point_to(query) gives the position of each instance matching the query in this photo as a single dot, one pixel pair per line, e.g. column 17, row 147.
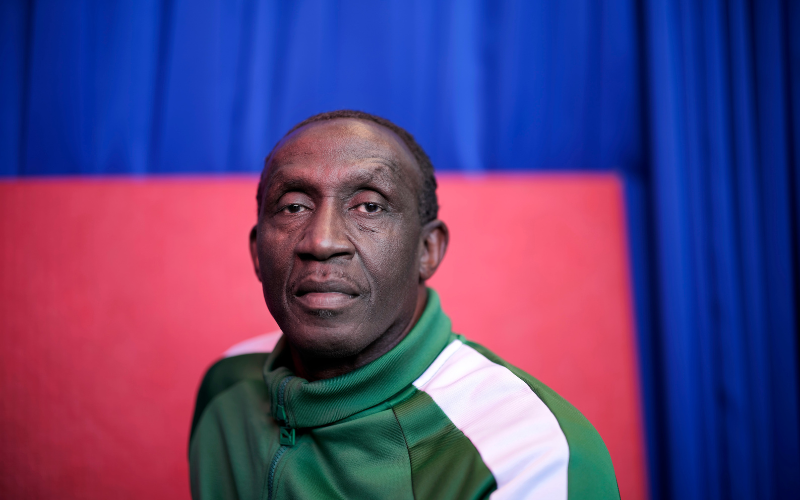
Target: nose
column 325, row 235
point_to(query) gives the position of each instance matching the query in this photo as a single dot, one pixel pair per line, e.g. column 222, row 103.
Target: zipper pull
column 287, row 435
column 282, row 414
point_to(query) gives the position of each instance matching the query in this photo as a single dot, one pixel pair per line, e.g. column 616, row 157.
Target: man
column 369, row 393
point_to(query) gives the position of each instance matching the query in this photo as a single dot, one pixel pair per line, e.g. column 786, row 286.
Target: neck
column 314, row 368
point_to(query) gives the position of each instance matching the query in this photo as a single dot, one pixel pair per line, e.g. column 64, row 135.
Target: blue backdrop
column 696, row 104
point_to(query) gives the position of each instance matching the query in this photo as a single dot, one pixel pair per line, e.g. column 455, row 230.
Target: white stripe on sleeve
column 516, row 434
column 261, row 343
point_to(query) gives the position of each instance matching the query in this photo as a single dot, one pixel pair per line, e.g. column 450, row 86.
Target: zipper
column 287, row 436
column 272, row 467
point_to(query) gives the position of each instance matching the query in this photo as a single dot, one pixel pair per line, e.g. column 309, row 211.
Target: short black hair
column 428, row 202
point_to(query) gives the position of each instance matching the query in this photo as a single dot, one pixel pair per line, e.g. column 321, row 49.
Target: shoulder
column 532, row 440
column 243, row 361
column 223, row 375
column 260, row 344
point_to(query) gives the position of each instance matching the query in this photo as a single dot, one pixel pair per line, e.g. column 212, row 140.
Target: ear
column 254, row 252
column 433, row 242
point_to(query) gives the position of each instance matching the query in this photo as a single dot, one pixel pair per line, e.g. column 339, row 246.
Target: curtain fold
column 725, row 195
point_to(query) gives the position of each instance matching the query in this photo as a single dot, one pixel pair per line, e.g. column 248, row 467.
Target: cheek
column 392, row 261
column 274, row 255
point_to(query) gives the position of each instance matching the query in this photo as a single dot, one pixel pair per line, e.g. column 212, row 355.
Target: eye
column 294, row 208
column 370, row 208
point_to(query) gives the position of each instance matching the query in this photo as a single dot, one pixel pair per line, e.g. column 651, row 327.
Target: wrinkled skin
column 340, row 249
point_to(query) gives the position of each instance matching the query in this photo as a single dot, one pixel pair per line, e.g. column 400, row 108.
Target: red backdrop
column 116, row 295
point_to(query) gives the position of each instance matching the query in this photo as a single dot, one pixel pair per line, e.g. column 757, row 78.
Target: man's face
column 338, row 242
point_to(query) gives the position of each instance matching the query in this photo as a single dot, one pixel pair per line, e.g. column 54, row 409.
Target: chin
column 328, row 341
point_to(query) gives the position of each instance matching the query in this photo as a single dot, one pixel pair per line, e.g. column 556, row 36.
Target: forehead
column 343, row 141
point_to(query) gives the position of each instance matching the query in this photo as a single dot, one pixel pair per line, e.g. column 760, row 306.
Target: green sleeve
column 224, row 374
column 590, row 473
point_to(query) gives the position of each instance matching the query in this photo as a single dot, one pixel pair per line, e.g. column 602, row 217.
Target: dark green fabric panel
column 590, row 474
column 224, row 374
column 444, row 462
column 360, row 458
column 386, row 405
column 234, row 440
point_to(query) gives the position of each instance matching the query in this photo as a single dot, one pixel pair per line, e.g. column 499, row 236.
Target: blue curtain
column 151, row 86
column 723, row 93
column 695, row 104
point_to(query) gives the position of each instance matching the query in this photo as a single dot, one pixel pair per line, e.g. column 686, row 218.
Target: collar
column 322, row 402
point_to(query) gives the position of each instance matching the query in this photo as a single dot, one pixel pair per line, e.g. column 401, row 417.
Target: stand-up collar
column 312, row 404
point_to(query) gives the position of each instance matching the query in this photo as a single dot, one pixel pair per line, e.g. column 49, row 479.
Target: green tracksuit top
column 437, row 417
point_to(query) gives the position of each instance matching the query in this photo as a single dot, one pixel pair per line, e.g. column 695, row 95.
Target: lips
column 328, row 295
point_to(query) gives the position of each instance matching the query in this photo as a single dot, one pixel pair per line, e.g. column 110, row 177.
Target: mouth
column 326, row 295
